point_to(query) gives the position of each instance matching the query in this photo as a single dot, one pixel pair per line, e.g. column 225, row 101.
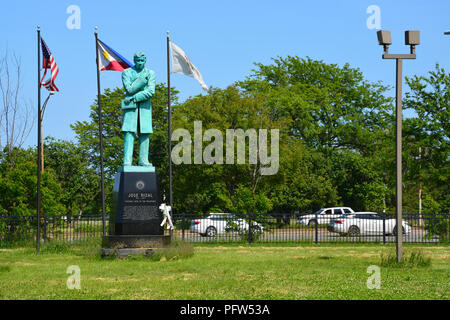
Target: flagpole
column 39, row 160
column 100, row 133
column 170, row 123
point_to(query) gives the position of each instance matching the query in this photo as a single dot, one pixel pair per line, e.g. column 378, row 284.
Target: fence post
column 384, row 228
column 45, row 227
column 448, row 226
column 316, row 230
column 250, row 238
column 182, row 228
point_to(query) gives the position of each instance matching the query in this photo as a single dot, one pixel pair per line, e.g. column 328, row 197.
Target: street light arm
column 45, row 104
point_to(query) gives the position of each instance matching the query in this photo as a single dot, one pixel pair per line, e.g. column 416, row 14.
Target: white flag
column 182, row 64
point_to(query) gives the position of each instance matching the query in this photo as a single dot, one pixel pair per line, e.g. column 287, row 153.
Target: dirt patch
column 360, row 255
column 440, row 256
column 27, row 264
column 102, row 279
column 188, row 276
column 214, row 248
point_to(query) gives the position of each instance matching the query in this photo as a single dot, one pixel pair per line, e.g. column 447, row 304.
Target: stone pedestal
column 135, row 218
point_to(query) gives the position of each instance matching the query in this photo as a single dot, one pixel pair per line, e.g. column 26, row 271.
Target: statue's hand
column 128, row 100
column 142, row 83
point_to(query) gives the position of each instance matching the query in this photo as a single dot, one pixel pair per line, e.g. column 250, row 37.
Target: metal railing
column 267, row 228
column 273, row 228
column 60, row 228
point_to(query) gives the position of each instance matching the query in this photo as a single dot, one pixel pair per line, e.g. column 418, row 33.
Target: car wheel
column 353, row 231
column 394, row 232
column 211, row 231
column 312, row 222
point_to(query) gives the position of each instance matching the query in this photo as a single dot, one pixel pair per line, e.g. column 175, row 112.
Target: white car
column 219, row 223
column 324, row 216
column 366, row 223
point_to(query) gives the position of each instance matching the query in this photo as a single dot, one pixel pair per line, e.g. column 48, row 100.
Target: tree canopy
column 336, row 146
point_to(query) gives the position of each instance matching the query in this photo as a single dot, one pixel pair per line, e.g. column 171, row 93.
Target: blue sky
column 223, row 39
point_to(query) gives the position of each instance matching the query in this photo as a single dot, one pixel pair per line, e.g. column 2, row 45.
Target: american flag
column 49, row 63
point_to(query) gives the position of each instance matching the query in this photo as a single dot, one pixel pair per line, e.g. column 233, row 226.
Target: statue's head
column 139, row 60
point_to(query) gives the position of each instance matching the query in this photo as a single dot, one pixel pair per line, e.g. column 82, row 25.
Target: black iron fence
column 311, row 228
column 62, row 228
column 268, row 228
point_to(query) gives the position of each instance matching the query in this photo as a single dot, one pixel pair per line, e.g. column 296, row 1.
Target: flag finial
column 96, row 29
column 167, row 33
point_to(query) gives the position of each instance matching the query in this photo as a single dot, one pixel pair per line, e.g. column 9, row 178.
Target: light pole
column 412, row 38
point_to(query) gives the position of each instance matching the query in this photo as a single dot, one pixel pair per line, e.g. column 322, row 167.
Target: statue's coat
column 143, row 104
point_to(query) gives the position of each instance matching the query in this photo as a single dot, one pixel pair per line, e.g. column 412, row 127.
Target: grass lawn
column 325, row 271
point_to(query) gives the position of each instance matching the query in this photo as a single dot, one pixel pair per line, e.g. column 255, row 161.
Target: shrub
column 415, row 258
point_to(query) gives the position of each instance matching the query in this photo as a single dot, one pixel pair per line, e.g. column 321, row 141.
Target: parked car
column 219, row 223
column 366, row 223
column 324, row 215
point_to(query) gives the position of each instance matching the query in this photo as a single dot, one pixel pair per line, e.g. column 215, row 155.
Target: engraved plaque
column 140, row 213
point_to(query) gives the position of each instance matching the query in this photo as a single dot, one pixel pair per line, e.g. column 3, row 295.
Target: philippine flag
column 110, row 59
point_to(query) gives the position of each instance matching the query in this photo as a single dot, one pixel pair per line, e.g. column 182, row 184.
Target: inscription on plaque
column 140, row 213
column 140, row 198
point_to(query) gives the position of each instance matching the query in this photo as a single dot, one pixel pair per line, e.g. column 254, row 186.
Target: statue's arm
column 147, row 93
column 152, row 83
column 128, row 84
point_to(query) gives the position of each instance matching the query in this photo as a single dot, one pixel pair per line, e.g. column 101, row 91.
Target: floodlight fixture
column 384, row 39
column 412, row 38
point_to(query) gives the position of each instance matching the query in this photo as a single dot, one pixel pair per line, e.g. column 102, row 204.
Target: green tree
column 427, row 144
column 330, row 107
column 18, row 187
column 79, row 181
column 303, row 182
column 359, row 181
column 202, row 188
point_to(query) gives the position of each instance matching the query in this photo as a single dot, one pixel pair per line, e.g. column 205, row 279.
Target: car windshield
column 319, row 212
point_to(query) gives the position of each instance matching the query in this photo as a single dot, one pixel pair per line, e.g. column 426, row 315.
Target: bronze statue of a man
column 139, row 83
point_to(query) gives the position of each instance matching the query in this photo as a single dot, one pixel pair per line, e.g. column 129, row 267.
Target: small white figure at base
column 166, row 213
